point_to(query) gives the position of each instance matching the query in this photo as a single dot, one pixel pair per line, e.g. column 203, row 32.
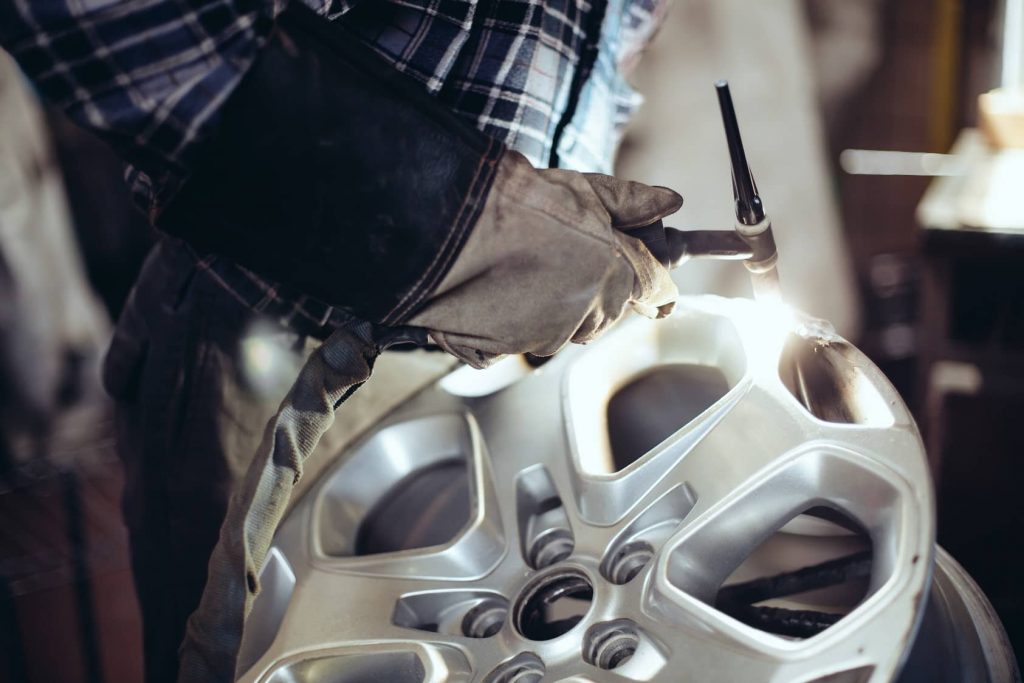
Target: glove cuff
column 334, row 173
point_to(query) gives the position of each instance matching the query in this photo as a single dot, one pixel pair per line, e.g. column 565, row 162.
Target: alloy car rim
column 564, row 567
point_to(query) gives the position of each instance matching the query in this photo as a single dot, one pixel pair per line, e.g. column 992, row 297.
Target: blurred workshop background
column 896, row 200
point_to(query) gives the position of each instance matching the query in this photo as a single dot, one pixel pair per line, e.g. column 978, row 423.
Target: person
column 425, row 163
column 52, row 326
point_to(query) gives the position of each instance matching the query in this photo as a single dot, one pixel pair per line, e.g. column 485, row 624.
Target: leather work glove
column 550, row 261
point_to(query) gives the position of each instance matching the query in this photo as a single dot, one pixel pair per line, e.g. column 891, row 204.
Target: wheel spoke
column 395, row 661
column 471, row 554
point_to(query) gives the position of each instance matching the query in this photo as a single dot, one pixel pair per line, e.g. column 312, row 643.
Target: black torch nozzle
column 749, row 210
column 751, row 222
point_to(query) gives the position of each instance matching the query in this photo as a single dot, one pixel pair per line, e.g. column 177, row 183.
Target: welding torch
column 750, row 241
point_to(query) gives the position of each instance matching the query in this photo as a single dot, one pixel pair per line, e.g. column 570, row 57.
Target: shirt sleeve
column 146, row 75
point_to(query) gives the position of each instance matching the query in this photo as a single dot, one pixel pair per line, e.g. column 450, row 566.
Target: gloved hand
column 549, row 261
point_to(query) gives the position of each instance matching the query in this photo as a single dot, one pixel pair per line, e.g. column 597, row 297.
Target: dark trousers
column 187, row 426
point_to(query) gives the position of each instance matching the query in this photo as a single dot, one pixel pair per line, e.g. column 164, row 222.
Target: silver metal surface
column 637, row 555
column 960, row 638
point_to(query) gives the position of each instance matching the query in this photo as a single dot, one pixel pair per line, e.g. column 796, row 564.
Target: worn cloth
column 329, row 376
column 545, row 77
column 151, row 75
column 549, row 262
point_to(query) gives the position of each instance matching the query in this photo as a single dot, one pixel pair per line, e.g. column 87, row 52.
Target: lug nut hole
column 628, row 561
column 485, row 619
column 611, row 644
column 550, row 547
column 524, row 668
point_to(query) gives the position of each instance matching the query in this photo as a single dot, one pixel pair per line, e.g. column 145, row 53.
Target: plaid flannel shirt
column 545, row 77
